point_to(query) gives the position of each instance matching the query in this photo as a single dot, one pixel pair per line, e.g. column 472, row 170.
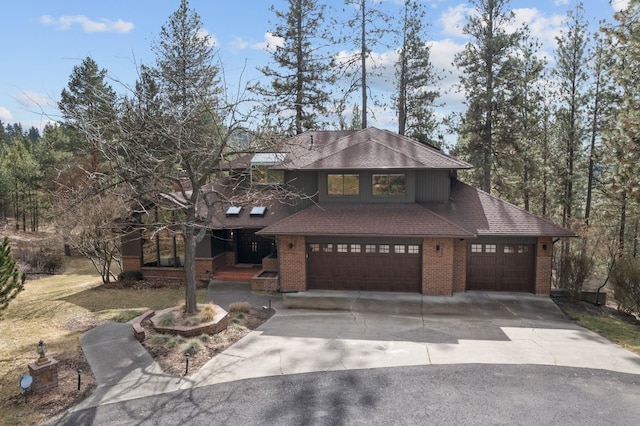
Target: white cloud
column 561, row 2
column 270, row 43
column 33, row 99
column 543, row 28
column 88, row 25
column 5, row 115
column 619, row 5
column 204, row 34
column 239, row 43
column 453, row 20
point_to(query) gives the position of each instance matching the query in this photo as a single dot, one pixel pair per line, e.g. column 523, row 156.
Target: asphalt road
column 477, row 394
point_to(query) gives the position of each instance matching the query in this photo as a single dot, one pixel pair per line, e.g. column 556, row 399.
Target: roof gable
column 370, row 148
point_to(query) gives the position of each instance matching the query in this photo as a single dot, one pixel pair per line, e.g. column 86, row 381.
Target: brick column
column 544, row 249
column 437, row 266
column 459, row 265
column 131, row 263
column 292, row 259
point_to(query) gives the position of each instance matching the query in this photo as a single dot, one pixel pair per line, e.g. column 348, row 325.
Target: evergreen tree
column 302, row 72
column 369, row 26
column 11, row 280
column 571, row 74
column 416, row 79
column 620, row 142
column 487, row 65
column 88, row 98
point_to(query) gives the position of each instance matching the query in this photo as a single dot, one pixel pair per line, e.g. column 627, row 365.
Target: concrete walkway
column 359, row 331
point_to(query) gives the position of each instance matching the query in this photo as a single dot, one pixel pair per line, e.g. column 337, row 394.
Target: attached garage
column 501, row 265
column 364, row 265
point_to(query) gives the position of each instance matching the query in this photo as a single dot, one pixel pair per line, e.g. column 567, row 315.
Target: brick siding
column 437, row 266
column 292, row 260
column 459, row 265
column 544, row 250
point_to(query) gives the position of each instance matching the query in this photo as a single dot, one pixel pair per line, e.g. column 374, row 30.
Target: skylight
column 258, row 211
column 233, row 211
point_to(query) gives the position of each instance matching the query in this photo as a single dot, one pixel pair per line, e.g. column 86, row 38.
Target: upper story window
column 262, row 172
column 343, row 184
column 388, row 184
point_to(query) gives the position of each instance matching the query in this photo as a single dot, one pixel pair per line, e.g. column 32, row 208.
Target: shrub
column 161, row 339
column 167, row 319
column 132, row 275
column 45, row 260
column 191, row 347
column 574, row 269
column 240, row 307
column 625, row 280
column 204, row 338
column 192, row 320
column 208, row 313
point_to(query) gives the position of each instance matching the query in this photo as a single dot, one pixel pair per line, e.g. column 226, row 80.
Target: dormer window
column 262, row 168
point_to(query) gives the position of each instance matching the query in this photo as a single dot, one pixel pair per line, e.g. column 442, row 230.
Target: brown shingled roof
column 483, row 214
column 366, row 219
column 369, row 148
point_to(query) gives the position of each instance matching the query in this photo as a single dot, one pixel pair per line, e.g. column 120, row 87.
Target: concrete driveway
column 372, row 330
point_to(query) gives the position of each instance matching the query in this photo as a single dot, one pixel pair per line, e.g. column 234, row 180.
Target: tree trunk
column 190, row 268
column 364, row 67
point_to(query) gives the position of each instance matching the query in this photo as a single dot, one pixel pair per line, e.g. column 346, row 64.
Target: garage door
column 372, row 267
column 500, row 267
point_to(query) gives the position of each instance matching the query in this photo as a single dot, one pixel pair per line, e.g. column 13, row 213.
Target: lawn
column 607, row 322
column 57, row 309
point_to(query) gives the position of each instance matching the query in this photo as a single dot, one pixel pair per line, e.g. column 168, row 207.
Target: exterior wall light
column 544, row 247
column 437, row 247
column 290, row 245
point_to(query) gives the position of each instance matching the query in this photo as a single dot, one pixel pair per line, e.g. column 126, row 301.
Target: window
column 265, row 175
column 490, row 248
column 314, row 247
column 233, row 211
column 327, row 248
column 383, row 248
column 388, row 184
column 509, row 249
column 355, row 248
column 370, row 248
column 523, row 249
column 342, row 248
column 399, row 249
column 343, row 184
column 476, row 248
column 161, row 247
column 413, row 249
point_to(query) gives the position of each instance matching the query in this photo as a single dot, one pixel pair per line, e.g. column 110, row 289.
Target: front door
column 253, row 248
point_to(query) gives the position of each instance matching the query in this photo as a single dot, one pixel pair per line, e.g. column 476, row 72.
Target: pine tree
column 416, row 79
column 369, row 26
column 620, row 142
column 487, row 76
column 11, row 280
column 571, row 75
column 302, row 72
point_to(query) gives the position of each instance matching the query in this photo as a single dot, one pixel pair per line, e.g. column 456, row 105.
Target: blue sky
column 44, row 40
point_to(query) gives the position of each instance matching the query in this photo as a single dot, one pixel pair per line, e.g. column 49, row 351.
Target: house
column 379, row 212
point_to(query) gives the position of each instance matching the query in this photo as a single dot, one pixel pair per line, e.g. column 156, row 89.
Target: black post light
column 186, row 370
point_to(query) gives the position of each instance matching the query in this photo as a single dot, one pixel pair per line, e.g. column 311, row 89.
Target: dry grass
column 40, row 312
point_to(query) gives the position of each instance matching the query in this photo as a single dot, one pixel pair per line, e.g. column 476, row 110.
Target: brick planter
column 218, row 324
column 265, row 281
